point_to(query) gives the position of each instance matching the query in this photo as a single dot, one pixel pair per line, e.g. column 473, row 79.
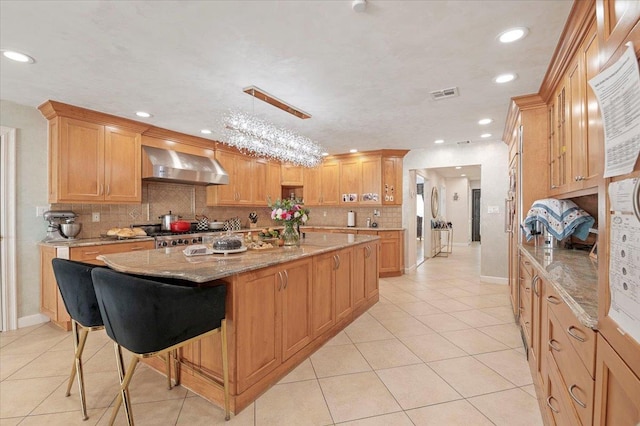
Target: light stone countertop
column 173, row 263
column 355, row 228
column 574, row 275
column 93, row 242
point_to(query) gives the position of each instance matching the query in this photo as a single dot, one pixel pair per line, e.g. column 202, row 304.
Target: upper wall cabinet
column 321, row 184
column 94, row 159
column 291, row 175
column 617, row 23
column 247, row 181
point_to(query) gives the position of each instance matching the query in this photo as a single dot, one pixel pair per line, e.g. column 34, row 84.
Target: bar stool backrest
column 76, row 287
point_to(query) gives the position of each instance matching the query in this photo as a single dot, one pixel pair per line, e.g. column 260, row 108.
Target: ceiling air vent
column 444, row 93
column 463, row 142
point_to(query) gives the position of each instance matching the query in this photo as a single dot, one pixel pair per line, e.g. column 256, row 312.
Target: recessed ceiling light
column 17, row 56
column 439, row 141
column 505, row 78
column 513, row 34
column 458, row 167
column 485, row 135
column 205, row 131
column 143, row 114
column 463, row 174
column 353, row 150
column 325, row 154
column 485, row 121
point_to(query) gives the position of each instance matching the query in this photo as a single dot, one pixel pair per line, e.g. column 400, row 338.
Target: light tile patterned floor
column 440, row 348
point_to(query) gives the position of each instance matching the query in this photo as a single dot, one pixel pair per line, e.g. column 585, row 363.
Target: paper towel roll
column 351, row 219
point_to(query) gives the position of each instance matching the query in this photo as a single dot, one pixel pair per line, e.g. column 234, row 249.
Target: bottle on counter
column 368, row 222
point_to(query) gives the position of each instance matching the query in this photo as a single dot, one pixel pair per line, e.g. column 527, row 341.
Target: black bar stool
column 76, row 288
column 148, row 317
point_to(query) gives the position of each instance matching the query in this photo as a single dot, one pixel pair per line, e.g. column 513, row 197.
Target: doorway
column 475, row 215
column 8, row 290
column 420, row 220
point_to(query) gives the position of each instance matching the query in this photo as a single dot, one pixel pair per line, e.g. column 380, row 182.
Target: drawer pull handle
column 91, row 252
column 528, row 289
column 553, row 300
column 554, row 347
column 575, row 398
column 137, row 248
column 526, row 262
column 575, row 336
column 549, row 398
column 534, row 284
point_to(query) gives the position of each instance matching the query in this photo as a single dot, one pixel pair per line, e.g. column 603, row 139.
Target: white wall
column 492, row 157
column 31, row 191
column 458, row 210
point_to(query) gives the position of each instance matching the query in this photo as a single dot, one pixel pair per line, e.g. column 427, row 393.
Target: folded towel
column 561, row 218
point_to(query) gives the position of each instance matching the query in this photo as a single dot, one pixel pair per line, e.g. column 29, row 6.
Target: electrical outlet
column 95, row 217
column 40, row 210
column 376, row 212
column 324, row 214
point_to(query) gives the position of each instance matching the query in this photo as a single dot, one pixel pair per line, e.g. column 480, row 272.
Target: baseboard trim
column 30, row 320
column 494, row 280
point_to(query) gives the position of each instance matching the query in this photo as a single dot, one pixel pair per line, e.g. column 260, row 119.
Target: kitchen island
column 282, row 305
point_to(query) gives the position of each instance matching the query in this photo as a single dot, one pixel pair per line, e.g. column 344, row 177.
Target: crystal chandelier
column 256, row 137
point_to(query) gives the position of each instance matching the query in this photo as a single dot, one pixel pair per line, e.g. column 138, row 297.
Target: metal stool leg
column 125, row 379
column 79, row 341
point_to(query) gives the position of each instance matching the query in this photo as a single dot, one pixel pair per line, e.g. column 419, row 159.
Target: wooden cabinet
column 371, row 180
column 332, row 289
column 90, row 162
column 365, row 278
column 51, row 303
column 617, row 393
column 321, row 184
column 272, row 190
column 276, row 317
column 350, row 180
column 291, row 175
column 617, row 22
column 247, row 181
column 391, row 253
column 392, row 180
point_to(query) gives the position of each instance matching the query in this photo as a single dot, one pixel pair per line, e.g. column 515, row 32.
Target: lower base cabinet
column 617, row 393
column 51, row 303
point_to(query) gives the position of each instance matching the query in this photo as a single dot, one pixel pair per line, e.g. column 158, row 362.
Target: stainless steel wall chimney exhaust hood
column 173, row 166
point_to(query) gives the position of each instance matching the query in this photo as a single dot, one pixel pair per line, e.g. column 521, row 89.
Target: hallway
column 440, row 348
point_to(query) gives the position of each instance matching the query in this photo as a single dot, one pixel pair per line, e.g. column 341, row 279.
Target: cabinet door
column 224, row 194
column 343, row 283
column 80, row 161
column 350, row 175
column 617, row 396
column 330, row 178
column 371, row 270
column 560, row 149
column 392, row 181
column 390, row 252
column 273, row 190
column 371, row 179
column 245, row 180
column 258, row 187
column 291, row 175
column 313, row 186
column 575, row 101
column 594, row 155
column 259, row 348
column 296, row 307
column 322, row 296
column 359, row 273
column 617, row 21
column 122, row 164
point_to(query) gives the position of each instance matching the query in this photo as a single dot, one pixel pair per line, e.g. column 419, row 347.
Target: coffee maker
column 61, row 226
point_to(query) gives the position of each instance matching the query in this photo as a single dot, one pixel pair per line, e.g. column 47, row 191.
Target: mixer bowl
column 70, row 230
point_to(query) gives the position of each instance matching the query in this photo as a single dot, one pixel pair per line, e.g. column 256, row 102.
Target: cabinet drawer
column 387, row 235
column 89, row 253
column 583, row 339
column 576, row 379
column 525, row 314
column 526, row 268
column 557, row 402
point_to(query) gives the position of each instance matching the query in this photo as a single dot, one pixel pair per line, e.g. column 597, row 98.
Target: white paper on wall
column 624, row 260
column 618, row 91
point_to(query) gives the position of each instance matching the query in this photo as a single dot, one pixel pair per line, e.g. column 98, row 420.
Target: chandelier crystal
column 256, row 137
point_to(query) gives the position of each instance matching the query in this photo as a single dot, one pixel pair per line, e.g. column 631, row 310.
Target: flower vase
column 290, row 235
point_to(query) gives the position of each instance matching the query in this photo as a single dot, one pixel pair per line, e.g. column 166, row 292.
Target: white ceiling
column 471, row 172
column 364, row 77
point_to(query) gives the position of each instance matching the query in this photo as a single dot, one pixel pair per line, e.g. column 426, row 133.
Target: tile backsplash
column 190, row 200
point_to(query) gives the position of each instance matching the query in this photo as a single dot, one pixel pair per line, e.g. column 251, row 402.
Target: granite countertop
column 93, row 242
column 355, row 228
column 574, row 275
column 172, row 262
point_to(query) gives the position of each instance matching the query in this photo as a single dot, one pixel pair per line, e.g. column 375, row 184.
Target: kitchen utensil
column 167, row 219
column 180, row 226
column 216, row 225
column 70, row 230
column 203, row 223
